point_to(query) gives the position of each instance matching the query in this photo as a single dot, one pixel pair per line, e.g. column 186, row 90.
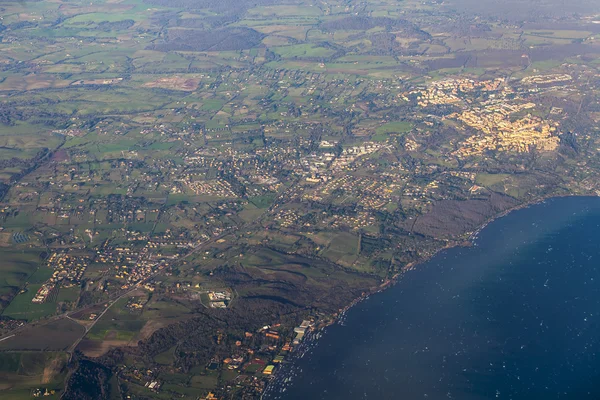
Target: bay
column 514, row 317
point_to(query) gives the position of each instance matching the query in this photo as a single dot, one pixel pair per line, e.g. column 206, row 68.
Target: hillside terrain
column 184, row 182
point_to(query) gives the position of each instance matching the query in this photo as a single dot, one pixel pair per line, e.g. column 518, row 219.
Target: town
column 192, row 192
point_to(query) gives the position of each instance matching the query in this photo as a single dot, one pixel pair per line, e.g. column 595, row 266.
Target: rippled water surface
column 515, row 317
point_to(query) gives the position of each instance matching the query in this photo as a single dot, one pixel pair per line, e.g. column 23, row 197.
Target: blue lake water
column 515, row 317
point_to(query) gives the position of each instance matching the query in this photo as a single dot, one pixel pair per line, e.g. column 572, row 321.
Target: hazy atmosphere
column 284, row 199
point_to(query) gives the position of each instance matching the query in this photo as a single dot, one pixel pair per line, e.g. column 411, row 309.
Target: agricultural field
column 24, row 372
column 176, row 175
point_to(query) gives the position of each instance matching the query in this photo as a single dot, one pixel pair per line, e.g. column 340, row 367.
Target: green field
column 21, row 306
column 382, row 132
column 303, row 51
column 31, row 370
column 16, row 268
column 296, row 155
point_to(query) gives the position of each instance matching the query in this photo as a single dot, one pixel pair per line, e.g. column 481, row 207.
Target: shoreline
column 471, row 236
column 318, row 331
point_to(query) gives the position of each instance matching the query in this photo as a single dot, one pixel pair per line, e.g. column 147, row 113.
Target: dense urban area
column 191, row 189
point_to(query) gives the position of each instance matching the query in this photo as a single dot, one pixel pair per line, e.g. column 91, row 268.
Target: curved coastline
column 469, row 240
